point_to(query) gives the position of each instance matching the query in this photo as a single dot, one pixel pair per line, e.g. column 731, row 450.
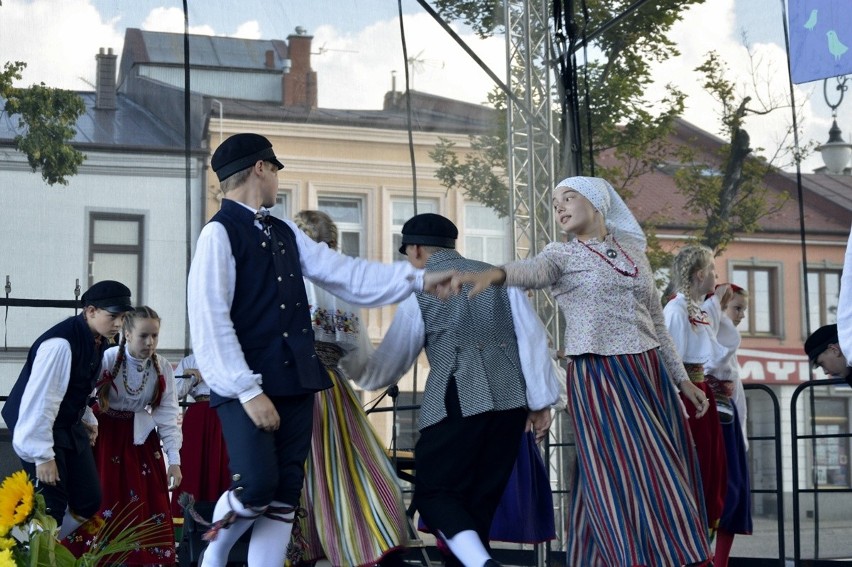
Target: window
column 281, row 209
column 823, row 293
column 832, row 453
column 402, row 210
column 348, row 215
column 486, row 236
column 762, row 317
column 115, row 250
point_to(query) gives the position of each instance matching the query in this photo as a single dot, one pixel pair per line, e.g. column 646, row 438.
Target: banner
column 820, row 39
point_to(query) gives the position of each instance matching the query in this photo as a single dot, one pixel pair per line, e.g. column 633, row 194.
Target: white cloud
column 248, row 30
column 171, row 20
column 58, row 54
column 720, row 32
column 354, row 70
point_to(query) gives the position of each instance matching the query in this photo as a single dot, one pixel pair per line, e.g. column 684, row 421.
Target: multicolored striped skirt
column 354, row 506
column 636, row 497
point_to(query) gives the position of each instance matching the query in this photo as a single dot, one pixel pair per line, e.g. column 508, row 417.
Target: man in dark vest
column 46, row 406
column 490, row 375
column 252, row 337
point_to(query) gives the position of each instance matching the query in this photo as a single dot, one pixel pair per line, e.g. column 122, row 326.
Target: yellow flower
column 7, row 543
column 6, row 559
column 16, row 499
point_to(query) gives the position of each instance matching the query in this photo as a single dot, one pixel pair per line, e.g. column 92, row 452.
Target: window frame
column 776, row 293
column 125, row 249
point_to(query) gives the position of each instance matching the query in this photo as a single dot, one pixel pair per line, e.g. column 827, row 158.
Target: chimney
column 299, row 85
column 105, row 81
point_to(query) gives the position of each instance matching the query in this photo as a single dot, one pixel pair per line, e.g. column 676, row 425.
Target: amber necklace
column 611, row 254
column 127, row 388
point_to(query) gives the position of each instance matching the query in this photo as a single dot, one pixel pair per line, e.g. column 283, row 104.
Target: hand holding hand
column 478, row 280
column 695, row 396
column 262, row 413
column 438, row 283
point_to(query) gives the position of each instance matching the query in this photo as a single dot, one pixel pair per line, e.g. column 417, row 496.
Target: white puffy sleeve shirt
column 210, row 291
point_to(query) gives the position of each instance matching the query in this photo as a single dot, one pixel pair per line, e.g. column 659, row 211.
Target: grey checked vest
column 473, row 340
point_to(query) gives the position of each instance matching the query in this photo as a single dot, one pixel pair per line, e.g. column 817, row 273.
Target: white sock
column 70, row 522
column 216, row 553
column 269, row 539
column 468, row 548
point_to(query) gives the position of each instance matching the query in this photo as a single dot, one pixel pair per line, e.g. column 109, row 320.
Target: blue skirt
column 736, row 515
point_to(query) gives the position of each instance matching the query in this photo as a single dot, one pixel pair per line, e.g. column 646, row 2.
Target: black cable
column 586, row 95
column 187, row 134
column 802, row 238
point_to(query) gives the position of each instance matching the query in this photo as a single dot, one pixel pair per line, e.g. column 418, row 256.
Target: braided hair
column 108, row 379
column 318, row 226
column 689, row 261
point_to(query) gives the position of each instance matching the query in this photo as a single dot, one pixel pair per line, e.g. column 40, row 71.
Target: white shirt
column 407, row 336
column 210, row 293
column 694, row 342
column 844, row 305
column 135, row 397
column 184, row 386
column 48, row 382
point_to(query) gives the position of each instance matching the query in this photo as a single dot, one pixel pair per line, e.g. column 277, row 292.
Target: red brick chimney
column 299, row 84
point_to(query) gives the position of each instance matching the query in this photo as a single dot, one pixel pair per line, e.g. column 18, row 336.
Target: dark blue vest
column 85, row 363
column 270, row 312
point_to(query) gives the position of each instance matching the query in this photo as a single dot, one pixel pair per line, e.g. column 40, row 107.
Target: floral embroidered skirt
column 354, row 507
column 203, row 457
column 636, row 497
column 134, row 486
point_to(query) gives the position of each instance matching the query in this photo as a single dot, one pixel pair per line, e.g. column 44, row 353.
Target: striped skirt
column 636, row 497
column 354, row 504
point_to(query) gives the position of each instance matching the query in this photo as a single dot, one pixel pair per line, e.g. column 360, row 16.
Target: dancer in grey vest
column 490, row 374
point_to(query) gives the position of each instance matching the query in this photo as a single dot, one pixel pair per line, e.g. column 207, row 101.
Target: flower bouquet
column 28, row 533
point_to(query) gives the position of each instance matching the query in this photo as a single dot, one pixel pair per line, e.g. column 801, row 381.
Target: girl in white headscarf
column 636, row 498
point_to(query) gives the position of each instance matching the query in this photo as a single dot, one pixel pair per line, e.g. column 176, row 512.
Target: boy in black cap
column 46, row 405
column 823, row 350
column 253, row 340
column 490, row 374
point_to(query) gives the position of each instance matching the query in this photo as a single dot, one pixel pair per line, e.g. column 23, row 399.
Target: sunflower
column 6, row 559
column 7, row 543
column 16, row 499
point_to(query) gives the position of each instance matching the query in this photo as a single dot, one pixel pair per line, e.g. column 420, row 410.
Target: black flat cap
column 819, row 341
column 241, row 151
column 429, row 229
column 110, row 295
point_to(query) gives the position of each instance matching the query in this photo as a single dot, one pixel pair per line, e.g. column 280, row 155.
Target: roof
column 128, row 127
column 827, row 199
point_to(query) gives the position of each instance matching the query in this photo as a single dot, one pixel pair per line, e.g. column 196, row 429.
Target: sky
column 357, row 49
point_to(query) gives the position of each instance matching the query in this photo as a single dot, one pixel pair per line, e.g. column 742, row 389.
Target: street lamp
column 836, row 153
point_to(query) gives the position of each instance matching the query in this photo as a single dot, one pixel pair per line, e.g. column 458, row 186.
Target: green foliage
column 47, row 116
column 730, row 198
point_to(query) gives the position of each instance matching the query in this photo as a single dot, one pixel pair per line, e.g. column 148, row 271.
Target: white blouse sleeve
column 398, row 350
column 166, row 415
column 48, row 382
column 536, row 362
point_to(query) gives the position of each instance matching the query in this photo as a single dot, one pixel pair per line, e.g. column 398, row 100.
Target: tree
column 732, row 198
column 47, row 116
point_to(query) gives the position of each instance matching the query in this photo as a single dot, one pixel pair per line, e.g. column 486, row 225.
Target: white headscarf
column 603, row 197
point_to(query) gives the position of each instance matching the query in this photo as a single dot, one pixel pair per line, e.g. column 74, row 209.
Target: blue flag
column 820, row 39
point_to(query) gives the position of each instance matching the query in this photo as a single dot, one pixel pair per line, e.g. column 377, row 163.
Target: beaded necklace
column 127, row 388
column 612, row 254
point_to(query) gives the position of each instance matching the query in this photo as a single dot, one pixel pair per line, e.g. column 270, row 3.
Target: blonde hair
column 130, row 318
column 235, row 180
column 318, row 226
column 689, row 261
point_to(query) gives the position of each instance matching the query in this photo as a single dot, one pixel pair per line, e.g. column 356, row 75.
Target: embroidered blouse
column 607, row 312
column 695, row 340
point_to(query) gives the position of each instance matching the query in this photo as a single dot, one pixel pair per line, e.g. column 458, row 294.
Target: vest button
column 292, row 276
column 313, row 356
column 263, row 244
column 279, row 278
column 298, row 304
column 304, row 331
column 286, row 335
column 286, row 363
column 283, row 306
column 236, row 477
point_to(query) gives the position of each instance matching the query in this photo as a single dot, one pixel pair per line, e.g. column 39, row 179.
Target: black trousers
column 79, row 486
column 463, row 465
column 268, row 465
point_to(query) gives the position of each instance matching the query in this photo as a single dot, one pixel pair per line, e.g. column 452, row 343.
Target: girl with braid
column 137, row 409
column 693, row 277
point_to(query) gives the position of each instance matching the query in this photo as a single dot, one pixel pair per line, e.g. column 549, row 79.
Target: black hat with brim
column 820, row 340
column 108, row 295
column 241, row 151
column 429, row 229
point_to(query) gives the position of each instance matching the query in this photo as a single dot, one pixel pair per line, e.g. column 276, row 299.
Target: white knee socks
column 270, row 538
column 468, row 548
column 70, row 522
column 216, row 553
